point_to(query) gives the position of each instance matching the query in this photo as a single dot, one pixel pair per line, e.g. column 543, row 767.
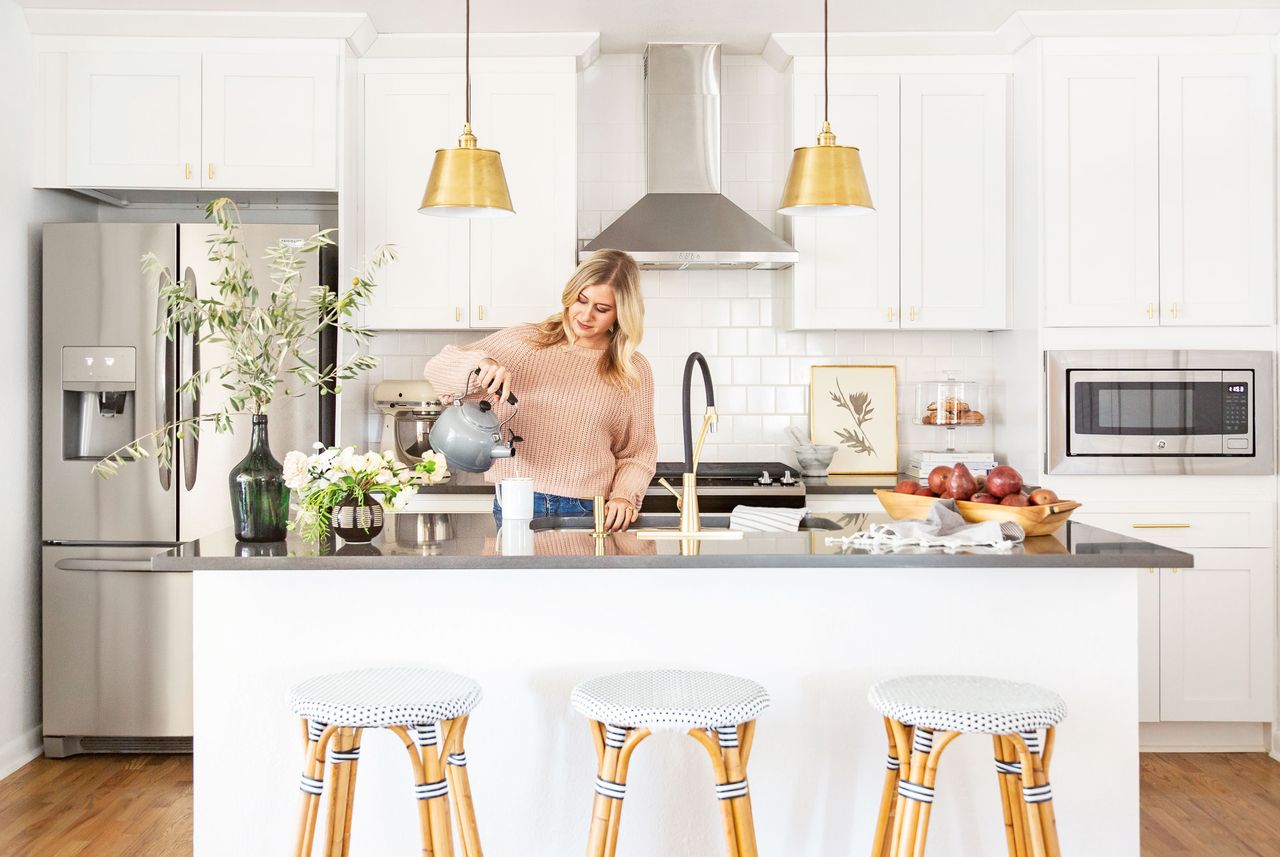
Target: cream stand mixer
column 409, row 410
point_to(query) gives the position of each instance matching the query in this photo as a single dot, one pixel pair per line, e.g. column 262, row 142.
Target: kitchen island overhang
column 817, row 634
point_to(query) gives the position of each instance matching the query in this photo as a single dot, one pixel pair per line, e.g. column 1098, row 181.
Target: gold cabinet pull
column 1176, row 570
column 1160, row 526
column 913, row 313
column 187, row 170
column 1173, row 310
column 211, row 169
column 1151, row 571
column 481, row 308
column 457, row 313
column 890, row 314
column 1151, row 310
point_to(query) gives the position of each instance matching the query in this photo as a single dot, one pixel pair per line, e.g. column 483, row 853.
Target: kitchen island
column 816, row 623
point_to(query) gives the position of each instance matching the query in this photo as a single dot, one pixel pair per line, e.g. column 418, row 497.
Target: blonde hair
column 603, row 268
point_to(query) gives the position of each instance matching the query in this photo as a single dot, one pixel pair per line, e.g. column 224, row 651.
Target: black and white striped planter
column 355, row 521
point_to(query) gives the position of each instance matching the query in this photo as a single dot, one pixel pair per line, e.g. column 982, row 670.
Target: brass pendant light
column 467, row 181
column 826, row 179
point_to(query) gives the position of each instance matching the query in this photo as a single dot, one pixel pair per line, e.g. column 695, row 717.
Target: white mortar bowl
column 814, row 458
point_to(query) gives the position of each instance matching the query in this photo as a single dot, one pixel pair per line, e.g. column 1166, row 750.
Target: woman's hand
column 619, row 514
column 494, row 378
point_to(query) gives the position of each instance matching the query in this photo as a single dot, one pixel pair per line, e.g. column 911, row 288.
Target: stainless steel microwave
column 1157, row 412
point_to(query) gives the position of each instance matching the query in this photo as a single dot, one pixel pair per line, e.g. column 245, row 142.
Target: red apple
column 938, row 478
column 961, row 485
column 1018, row 499
column 1042, row 497
column 1003, row 480
column 907, row 486
column 984, row 497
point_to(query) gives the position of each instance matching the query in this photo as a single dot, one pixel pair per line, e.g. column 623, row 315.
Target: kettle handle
column 511, row 397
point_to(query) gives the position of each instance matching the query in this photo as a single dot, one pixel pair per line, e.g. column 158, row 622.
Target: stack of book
column 979, row 463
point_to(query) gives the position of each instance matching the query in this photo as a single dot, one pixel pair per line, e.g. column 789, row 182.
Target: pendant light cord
column 826, row 93
column 468, row 61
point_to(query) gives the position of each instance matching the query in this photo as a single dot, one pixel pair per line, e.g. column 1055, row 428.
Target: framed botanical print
column 856, row 408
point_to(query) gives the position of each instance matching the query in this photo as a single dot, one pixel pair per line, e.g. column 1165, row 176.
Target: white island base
column 817, row 638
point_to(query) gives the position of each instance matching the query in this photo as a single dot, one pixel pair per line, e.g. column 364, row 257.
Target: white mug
column 515, row 496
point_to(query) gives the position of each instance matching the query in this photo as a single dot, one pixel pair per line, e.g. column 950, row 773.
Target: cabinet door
column 1217, row 637
column 1148, row 644
column 954, row 201
column 270, row 121
column 1101, row 191
column 133, row 120
column 406, row 117
column 847, row 276
column 1217, row 189
column 519, row 264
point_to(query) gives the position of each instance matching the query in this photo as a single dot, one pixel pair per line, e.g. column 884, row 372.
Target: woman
column 586, row 394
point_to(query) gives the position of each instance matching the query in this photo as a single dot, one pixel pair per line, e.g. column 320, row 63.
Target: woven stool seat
column 391, row 696
column 670, row 700
column 964, row 703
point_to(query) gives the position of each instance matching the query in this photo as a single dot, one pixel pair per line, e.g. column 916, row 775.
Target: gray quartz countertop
column 813, row 485
column 459, row 541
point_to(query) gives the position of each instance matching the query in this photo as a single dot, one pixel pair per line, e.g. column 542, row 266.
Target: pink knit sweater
column 583, row 437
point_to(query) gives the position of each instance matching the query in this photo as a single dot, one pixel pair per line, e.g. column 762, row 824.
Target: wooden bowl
column 1034, row 520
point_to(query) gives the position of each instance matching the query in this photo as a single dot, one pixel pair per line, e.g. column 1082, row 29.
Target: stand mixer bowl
column 409, row 410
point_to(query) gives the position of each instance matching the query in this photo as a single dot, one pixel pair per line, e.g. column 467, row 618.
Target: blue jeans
column 551, row 506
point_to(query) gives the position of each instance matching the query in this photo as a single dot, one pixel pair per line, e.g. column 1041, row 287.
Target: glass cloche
column 949, row 404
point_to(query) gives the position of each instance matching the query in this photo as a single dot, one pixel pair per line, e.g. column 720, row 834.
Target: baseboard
column 20, row 751
column 1204, row 738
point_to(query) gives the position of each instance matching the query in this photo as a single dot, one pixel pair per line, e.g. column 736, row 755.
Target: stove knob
column 787, row 478
column 765, row 479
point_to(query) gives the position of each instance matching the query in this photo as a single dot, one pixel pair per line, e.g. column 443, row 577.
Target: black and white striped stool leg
column 1009, row 776
column 727, row 746
column 460, row 787
column 888, row 796
column 436, row 789
column 615, row 745
column 1037, row 795
column 312, row 783
column 343, row 754
column 426, row 790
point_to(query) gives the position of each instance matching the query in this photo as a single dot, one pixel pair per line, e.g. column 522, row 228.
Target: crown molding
column 169, row 24
column 583, row 46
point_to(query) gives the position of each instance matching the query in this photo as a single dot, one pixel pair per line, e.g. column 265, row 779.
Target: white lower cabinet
column 1148, row 644
column 1217, row 637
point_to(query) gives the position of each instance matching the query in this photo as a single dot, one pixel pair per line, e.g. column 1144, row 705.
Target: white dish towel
column 766, row 519
column 944, row 528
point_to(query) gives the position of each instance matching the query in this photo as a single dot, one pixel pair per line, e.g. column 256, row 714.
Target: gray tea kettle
column 469, row 434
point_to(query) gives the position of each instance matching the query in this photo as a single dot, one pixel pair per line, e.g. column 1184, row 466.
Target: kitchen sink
column 667, row 522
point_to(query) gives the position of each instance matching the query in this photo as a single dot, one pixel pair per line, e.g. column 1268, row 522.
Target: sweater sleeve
column 449, row 370
column 636, row 450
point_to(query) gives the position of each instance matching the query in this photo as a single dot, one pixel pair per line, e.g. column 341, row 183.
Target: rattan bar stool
column 923, row 714
column 427, row 710
column 718, row 711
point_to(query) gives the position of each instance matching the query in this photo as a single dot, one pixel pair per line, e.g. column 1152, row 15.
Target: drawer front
column 1223, row 525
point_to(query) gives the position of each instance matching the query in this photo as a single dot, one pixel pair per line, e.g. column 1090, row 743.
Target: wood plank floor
column 1193, row 805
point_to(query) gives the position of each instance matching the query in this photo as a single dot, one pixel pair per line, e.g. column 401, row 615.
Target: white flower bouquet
column 332, row 476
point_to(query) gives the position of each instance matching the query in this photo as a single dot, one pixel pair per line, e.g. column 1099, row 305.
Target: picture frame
column 856, row 409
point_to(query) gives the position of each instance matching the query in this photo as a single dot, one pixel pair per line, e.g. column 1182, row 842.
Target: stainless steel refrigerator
column 116, row 635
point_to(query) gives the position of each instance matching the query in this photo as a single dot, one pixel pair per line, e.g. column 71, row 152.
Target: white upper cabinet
column 406, row 118
column 954, row 201
column 1159, row 190
column 459, row 273
column 133, row 120
column 1217, row 189
column 1217, row 637
column 847, row 276
column 1101, row 185
column 270, row 121
column 519, row 264
column 251, row 121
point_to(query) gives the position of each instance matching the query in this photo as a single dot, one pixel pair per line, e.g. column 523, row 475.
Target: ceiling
column 626, row 25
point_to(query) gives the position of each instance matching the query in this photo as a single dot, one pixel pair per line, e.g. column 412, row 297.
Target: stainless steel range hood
column 683, row 221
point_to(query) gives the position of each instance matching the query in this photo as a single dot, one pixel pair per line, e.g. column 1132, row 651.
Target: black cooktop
column 712, row 473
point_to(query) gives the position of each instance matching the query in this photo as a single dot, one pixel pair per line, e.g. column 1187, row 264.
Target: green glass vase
column 259, row 497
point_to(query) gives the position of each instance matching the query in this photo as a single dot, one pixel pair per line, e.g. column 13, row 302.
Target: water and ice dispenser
column 99, row 396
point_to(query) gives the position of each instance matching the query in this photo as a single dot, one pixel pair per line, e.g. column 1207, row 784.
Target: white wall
column 21, row 214
column 761, row 373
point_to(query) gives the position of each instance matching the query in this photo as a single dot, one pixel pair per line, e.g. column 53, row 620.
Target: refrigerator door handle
column 190, row 405
column 103, row 565
column 165, row 387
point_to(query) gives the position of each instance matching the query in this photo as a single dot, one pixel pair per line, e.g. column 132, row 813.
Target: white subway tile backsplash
column 820, row 343
column 732, row 284
column 744, row 312
column 775, row 370
column 792, row 400
column 761, row 400
column 716, row 313
column 729, row 400
column 761, row 342
column 733, row 340
column 733, row 166
column 746, row 370
column 791, row 343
